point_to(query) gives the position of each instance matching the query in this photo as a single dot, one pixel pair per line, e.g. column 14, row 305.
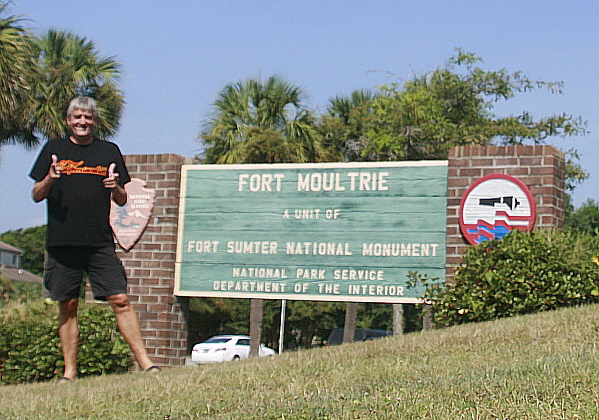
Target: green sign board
column 323, row 232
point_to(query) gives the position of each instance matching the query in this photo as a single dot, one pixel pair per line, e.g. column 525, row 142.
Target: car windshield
column 217, row 340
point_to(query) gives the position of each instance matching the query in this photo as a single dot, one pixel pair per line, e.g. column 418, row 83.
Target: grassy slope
column 532, row 367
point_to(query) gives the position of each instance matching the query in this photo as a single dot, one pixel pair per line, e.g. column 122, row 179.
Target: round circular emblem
column 495, row 205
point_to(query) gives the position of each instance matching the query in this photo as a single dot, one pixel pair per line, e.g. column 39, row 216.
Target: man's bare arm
column 119, row 195
column 41, row 189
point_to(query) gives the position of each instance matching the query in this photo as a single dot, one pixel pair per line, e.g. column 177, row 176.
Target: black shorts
column 65, row 268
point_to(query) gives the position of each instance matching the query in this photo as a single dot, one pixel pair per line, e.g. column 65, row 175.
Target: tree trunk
column 256, row 314
column 349, row 329
column 427, row 318
column 398, row 319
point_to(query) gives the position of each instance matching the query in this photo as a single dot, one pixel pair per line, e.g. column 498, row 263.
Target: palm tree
column 15, row 69
column 39, row 76
column 344, row 107
column 261, row 122
column 346, row 121
column 68, row 65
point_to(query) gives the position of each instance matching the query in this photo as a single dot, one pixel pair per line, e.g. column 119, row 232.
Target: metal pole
column 282, row 329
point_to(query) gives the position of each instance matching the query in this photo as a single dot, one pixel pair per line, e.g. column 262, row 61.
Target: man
column 78, row 176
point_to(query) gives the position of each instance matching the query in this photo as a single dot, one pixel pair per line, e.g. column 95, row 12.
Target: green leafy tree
column 585, row 218
column 428, row 115
column 26, row 291
column 450, row 106
column 7, row 290
column 218, row 316
column 32, row 241
column 307, row 319
column 259, row 121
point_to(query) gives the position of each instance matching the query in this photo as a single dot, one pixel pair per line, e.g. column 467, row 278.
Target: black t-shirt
column 78, row 204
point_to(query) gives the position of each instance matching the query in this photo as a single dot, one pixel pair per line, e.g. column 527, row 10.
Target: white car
column 222, row 348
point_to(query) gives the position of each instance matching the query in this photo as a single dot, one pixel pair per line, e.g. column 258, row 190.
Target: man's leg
column 68, row 332
column 129, row 327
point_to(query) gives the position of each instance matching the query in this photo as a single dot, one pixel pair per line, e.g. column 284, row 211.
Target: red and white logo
column 495, row 205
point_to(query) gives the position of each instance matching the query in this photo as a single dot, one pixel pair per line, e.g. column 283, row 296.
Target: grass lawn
column 543, row 366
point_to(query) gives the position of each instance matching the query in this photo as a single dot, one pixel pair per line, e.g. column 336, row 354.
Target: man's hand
column 111, row 180
column 54, row 172
column 119, row 195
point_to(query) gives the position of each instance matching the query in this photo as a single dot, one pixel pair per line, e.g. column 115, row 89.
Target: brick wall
column 150, row 264
column 541, row 168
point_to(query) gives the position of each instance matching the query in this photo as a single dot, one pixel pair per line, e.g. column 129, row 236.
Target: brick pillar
column 541, row 168
column 150, row 264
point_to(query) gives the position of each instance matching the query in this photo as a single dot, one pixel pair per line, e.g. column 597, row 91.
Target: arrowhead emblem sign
column 129, row 221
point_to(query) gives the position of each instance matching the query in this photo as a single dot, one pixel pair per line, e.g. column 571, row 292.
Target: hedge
column 30, row 346
column 525, row 272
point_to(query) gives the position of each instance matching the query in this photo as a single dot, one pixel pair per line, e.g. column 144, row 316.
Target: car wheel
column 236, row 358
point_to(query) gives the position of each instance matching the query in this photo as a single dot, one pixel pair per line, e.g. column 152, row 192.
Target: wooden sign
column 330, row 232
column 129, row 221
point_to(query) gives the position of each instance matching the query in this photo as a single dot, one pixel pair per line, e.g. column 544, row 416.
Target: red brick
column 150, row 280
column 142, row 255
column 132, row 263
column 168, row 351
column 140, row 273
column 160, row 307
column 161, row 346
column 532, row 180
column 161, row 290
column 538, row 190
column 139, row 290
column 531, row 161
column 454, row 230
column 160, row 326
column 454, row 260
column 460, row 162
column 506, row 161
column 458, row 182
column 483, row 161
column 162, row 273
column 473, row 172
column 548, row 220
column 157, row 176
column 159, row 360
column 519, row 171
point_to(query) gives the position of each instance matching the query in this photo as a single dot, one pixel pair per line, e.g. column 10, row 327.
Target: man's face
column 81, row 123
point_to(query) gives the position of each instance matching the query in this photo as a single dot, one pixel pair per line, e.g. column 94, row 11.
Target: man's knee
column 68, row 308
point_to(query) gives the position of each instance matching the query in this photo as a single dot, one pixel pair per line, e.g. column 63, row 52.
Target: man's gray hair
column 83, row 103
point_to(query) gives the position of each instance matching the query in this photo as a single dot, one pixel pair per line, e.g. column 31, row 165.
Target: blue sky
column 177, row 56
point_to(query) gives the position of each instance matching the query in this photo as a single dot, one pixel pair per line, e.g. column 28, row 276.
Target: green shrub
column 525, row 272
column 30, row 347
